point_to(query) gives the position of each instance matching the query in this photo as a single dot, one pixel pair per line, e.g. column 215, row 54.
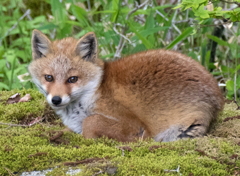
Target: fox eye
column 73, row 79
column 49, row 78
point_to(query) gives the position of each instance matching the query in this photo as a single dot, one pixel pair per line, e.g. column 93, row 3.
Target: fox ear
column 87, row 47
column 40, row 44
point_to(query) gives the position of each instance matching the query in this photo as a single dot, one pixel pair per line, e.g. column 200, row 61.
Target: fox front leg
column 96, row 126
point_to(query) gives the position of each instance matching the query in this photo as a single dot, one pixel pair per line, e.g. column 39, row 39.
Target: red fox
column 156, row 94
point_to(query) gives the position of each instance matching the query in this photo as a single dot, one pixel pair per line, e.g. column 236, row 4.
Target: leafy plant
column 122, row 28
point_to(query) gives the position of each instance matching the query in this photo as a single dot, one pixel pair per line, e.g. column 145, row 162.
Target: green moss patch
column 46, row 145
column 19, row 111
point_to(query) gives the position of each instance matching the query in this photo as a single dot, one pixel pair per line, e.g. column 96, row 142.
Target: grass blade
column 181, row 37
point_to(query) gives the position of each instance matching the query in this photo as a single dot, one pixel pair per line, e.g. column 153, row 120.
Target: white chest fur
column 73, row 115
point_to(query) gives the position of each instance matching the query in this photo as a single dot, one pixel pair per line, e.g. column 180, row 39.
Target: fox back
column 161, row 94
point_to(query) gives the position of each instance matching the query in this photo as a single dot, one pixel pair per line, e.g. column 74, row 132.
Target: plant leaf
column 143, row 39
column 181, row 37
column 219, row 41
column 3, row 86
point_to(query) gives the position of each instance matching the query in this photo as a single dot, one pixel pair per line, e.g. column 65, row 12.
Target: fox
column 158, row 94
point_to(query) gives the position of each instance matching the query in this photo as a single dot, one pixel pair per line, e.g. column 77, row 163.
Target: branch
column 122, row 41
column 89, row 5
column 140, row 19
column 100, row 172
column 169, row 33
column 123, row 154
column 10, row 124
column 9, row 172
column 114, row 28
column 159, row 13
column 230, row 2
column 190, row 20
column 177, row 170
column 14, row 26
column 136, row 8
column 36, row 120
column 173, row 21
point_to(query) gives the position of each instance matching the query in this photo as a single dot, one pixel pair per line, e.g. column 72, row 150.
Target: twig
column 98, row 173
column 176, row 28
column 136, row 8
column 230, row 2
column 176, row 22
column 177, row 170
column 190, row 20
column 89, row 5
column 14, row 26
column 173, row 21
column 114, row 28
column 28, row 16
column 123, row 154
column 140, row 19
column 10, row 124
column 9, row 172
column 37, row 120
column 159, row 13
column 122, row 41
column 125, row 2
column 119, row 48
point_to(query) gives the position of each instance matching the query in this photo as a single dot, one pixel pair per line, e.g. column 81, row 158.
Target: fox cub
column 156, row 94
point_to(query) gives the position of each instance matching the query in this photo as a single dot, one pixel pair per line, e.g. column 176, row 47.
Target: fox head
column 65, row 70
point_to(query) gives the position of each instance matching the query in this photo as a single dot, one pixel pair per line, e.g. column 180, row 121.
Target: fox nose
column 56, row 100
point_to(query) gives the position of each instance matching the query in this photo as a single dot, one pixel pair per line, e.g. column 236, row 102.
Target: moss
column 33, row 148
column 16, row 112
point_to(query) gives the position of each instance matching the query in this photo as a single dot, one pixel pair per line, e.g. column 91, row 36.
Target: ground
column 44, row 145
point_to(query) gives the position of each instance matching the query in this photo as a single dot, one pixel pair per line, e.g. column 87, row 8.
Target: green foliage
column 204, row 11
column 201, row 13
column 186, row 27
column 61, row 19
column 185, row 34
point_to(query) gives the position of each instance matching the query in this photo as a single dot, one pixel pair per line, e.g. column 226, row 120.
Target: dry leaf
column 210, row 6
column 60, row 133
column 24, row 77
column 26, row 98
column 14, row 99
column 38, row 119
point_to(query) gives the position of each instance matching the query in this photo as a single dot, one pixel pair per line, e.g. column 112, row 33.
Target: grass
column 44, row 146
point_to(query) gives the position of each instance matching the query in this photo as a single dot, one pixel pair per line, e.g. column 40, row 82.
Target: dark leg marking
column 184, row 133
column 67, row 110
column 140, row 132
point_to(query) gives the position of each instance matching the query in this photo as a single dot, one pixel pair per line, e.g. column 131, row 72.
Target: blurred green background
column 207, row 31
